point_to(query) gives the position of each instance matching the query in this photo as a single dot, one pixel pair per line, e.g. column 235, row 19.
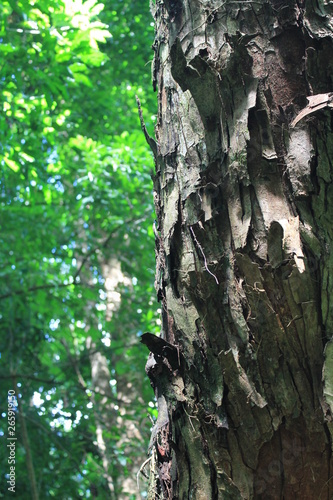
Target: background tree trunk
column 110, row 416
column 244, row 267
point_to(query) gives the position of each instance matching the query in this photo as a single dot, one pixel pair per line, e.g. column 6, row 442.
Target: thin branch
column 105, row 242
column 35, row 288
column 152, row 143
column 55, row 439
column 74, row 363
column 31, row 377
column 77, row 274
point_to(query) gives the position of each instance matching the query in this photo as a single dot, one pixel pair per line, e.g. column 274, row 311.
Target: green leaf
column 12, row 164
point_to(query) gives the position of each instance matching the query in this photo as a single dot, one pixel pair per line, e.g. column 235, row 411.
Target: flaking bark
column 244, row 261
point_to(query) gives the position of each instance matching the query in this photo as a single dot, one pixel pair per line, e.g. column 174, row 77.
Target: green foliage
column 75, row 192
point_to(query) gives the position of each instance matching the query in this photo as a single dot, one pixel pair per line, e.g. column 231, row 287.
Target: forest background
column 76, row 245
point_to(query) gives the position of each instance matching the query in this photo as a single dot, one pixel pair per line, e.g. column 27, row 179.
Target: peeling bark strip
column 244, row 260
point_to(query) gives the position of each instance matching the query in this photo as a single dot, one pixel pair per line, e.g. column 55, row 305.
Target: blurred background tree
column 76, row 245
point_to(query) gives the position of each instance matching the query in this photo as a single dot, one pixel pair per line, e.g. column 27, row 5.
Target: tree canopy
column 76, row 205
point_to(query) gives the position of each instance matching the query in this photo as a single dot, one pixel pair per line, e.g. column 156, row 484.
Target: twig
column 31, row 377
column 77, row 274
column 152, row 143
column 141, row 471
column 204, row 257
column 104, row 244
column 34, row 288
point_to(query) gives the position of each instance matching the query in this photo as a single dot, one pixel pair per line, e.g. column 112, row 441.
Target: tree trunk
column 108, row 415
column 244, row 269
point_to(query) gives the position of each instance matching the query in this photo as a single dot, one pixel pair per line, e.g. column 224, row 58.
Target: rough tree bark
column 243, row 193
